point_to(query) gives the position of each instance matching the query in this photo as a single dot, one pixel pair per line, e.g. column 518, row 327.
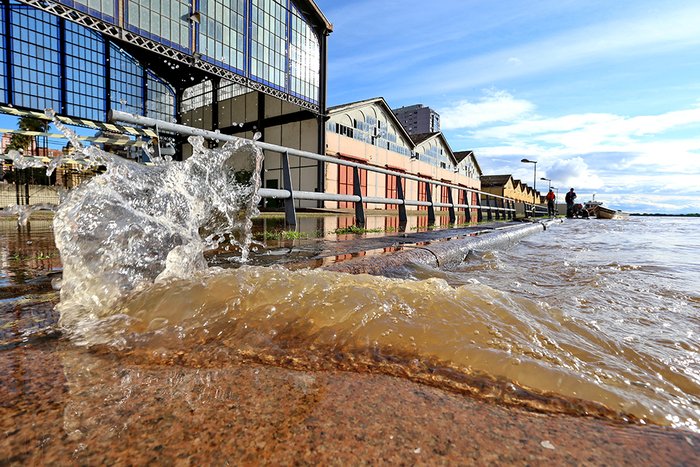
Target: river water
column 588, row 317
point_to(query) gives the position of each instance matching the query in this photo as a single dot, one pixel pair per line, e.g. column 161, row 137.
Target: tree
column 24, row 142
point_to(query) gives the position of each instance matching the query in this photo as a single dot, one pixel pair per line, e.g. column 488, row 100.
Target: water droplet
column 257, row 136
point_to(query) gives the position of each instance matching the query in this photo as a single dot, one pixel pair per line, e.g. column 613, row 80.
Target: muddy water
column 587, row 318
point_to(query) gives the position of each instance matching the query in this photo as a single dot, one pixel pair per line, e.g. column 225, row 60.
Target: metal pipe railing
column 502, row 206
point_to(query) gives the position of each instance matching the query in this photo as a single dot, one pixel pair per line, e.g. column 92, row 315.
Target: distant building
column 5, row 142
column 369, row 132
column 418, row 119
column 505, row 185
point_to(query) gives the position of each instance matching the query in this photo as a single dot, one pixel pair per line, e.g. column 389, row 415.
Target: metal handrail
column 505, row 209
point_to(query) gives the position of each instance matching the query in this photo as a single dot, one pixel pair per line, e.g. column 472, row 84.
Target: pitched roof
column 461, row 155
column 419, row 138
column 373, row 101
column 495, row 180
column 311, row 10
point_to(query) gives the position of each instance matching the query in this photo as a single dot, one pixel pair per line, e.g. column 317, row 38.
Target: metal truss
column 100, row 26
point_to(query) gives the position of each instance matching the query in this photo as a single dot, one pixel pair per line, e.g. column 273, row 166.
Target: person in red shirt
column 550, row 203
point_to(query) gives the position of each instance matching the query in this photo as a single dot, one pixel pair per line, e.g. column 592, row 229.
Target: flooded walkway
column 61, row 403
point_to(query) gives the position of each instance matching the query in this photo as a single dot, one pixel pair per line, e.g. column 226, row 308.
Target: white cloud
column 494, row 106
column 643, row 139
column 644, row 163
column 574, row 172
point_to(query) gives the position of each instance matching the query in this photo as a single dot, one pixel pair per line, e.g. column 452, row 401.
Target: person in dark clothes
column 570, row 197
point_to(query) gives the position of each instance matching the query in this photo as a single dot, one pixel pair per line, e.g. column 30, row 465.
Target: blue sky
column 605, row 95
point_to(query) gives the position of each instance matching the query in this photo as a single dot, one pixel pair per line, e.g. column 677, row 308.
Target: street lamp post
column 548, row 180
column 534, row 183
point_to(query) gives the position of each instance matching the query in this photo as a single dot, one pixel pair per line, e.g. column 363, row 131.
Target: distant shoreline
column 665, row 215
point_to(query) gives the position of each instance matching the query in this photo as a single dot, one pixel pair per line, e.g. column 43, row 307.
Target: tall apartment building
column 418, row 119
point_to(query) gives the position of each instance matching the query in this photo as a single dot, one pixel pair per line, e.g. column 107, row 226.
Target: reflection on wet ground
column 317, row 243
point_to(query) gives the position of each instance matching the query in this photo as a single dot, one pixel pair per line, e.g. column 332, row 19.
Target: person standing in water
column 550, row 202
column 570, row 197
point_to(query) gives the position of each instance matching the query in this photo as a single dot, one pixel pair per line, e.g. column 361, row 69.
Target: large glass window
column 85, row 73
column 35, row 59
column 268, row 54
column 103, row 9
column 435, row 155
column 229, row 90
column 160, row 103
column 222, row 32
column 304, row 59
column 127, row 82
column 197, row 96
column 167, row 20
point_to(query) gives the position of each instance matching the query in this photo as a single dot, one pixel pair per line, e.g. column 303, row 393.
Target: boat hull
column 605, row 213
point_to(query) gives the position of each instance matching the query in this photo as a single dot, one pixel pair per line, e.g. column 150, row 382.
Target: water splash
column 24, row 212
column 135, row 225
column 20, row 161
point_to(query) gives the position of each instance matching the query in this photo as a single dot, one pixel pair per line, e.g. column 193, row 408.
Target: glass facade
column 222, row 32
column 229, row 90
column 85, row 73
column 304, row 59
column 268, row 42
column 62, row 65
column 197, row 96
column 166, row 21
column 3, row 63
column 160, row 100
column 76, row 70
column 35, row 59
column 104, row 9
column 127, row 82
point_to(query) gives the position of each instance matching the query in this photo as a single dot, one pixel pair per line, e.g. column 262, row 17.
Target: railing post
column 489, row 214
column 468, row 201
column 431, row 208
column 17, row 183
column 357, row 188
column 403, row 219
column 479, row 214
column 290, row 213
column 451, row 209
column 511, row 207
column 498, row 208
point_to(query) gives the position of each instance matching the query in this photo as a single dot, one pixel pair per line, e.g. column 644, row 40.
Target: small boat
column 596, row 208
column 606, row 213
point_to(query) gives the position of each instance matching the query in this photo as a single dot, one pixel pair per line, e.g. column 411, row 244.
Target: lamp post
column 534, row 182
column 548, row 180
